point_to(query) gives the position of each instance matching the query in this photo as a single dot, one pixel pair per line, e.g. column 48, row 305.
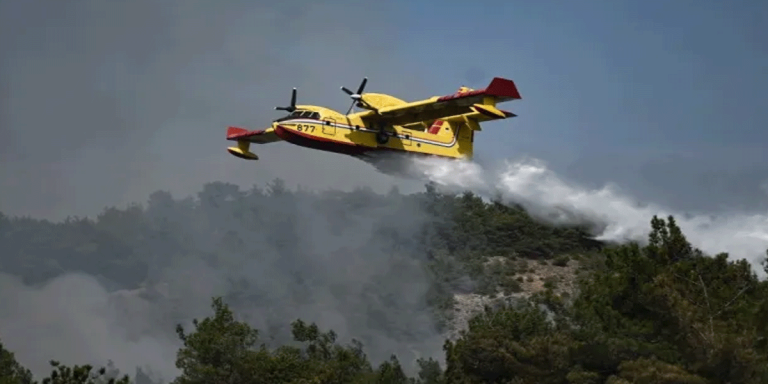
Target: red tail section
column 500, row 88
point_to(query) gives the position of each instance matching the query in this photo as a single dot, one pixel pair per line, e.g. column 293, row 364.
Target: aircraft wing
column 459, row 103
column 262, row 136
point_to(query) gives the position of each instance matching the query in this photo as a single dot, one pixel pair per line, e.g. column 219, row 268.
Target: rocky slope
column 528, row 277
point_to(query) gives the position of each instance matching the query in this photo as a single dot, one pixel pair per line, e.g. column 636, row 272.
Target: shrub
column 561, row 261
column 550, row 282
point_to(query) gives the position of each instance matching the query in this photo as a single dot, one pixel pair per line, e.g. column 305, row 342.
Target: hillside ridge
column 440, row 287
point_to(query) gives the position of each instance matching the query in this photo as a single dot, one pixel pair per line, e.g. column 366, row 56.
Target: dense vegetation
column 658, row 313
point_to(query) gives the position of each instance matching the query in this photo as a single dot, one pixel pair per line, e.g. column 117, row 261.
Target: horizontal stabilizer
column 242, row 151
column 491, row 111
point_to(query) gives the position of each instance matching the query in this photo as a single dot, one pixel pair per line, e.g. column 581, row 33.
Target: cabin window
column 300, row 114
column 307, row 114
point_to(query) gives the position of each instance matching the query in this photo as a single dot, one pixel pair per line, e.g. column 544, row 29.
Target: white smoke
column 546, row 195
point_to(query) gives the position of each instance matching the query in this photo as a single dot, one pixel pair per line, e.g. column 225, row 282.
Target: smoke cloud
column 75, row 320
column 547, row 195
column 103, row 103
column 351, row 262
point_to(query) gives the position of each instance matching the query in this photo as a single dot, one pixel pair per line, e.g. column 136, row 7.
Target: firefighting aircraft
column 442, row 126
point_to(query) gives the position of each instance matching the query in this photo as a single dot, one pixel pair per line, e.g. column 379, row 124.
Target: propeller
column 357, row 97
column 291, row 107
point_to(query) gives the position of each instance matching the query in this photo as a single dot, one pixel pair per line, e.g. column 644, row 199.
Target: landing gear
column 382, row 137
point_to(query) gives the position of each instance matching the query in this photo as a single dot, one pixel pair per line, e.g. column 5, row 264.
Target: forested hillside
column 286, row 282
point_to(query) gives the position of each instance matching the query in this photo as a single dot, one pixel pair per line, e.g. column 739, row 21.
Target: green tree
column 219, row 349
column 327, row 362
column 662, row 313
column 390, row 372
column 82, row 374
column 11, row 372
column 224, row 350
column 429, row 372
column 510, row 344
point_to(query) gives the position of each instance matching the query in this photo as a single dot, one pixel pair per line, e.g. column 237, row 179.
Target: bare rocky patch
column 529, row 276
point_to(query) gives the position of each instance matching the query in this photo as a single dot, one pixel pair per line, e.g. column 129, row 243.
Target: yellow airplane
column 442, row 126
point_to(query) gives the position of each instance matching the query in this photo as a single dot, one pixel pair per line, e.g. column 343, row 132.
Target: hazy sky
column 104, row 102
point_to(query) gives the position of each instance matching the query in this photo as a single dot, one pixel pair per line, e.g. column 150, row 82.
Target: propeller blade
column 357, row 97
column 291, row 107
column 362, row 86
column 350, row 107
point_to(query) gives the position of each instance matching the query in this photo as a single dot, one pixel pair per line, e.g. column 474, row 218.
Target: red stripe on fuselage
column 324, row 144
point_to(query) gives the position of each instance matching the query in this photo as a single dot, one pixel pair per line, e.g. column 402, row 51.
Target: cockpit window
column 300, row 114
